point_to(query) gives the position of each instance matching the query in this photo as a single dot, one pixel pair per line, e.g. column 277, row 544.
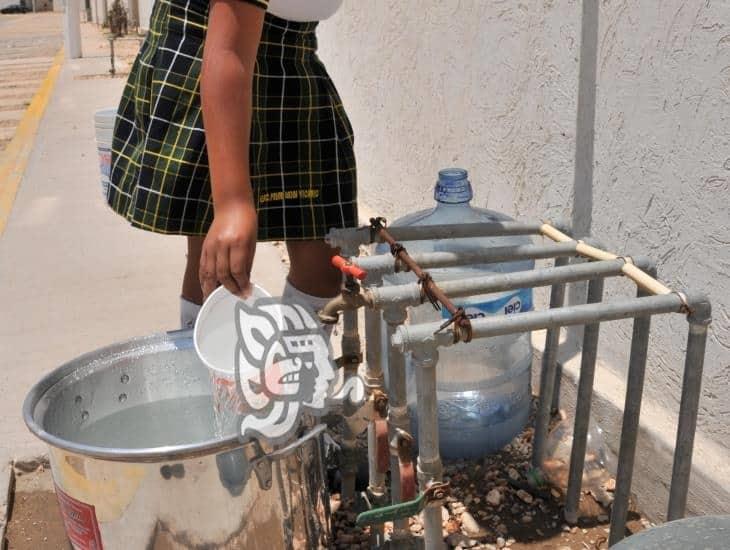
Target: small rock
column 611, row 485
column 574, row 530
column 513, row 474
column 471, row 527
column 524, row 496
column 526, row 519
column 584, row 531
column 566, row 528
column 501, row 529
column 501, row 542
column 494, row 497
column 510, row 541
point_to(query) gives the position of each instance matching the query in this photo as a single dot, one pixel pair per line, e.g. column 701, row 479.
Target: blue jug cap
column 453, row 186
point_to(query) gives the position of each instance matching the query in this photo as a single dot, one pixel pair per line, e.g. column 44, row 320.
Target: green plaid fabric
column 302, row 161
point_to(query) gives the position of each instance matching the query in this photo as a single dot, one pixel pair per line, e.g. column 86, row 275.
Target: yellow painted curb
column 15, row 157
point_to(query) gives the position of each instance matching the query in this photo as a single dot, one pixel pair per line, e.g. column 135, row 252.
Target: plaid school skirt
column 301, row 152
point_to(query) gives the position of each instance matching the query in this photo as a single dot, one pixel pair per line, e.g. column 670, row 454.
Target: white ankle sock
column 315, row 302
column 188, row 313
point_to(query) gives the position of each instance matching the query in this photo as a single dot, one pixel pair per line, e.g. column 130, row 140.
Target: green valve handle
column 436, row 492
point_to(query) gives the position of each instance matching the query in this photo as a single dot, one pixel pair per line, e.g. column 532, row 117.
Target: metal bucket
column 137, row 463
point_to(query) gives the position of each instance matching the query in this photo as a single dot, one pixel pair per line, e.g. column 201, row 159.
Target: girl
column 230, row 132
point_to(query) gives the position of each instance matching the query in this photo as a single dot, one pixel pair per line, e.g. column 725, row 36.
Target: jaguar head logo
column 283, row 368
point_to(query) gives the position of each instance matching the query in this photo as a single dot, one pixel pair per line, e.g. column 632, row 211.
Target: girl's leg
column 311, row 270
column 312, row 278
column 191, row 296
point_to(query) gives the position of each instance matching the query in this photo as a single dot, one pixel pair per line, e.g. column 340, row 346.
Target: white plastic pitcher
column 215, row 339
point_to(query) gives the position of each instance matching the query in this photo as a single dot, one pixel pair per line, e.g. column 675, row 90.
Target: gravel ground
column 492, row 505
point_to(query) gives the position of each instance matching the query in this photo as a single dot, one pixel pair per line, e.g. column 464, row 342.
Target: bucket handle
column 261, row 463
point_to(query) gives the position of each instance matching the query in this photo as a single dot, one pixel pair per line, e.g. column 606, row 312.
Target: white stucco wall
column 491, row 86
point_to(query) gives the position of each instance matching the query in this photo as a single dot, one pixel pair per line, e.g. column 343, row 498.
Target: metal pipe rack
column 423, row 340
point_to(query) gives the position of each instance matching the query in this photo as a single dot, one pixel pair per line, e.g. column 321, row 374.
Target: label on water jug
column 80, row 522
column 515, row 302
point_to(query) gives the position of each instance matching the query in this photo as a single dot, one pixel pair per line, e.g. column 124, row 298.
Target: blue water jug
column 483, row 387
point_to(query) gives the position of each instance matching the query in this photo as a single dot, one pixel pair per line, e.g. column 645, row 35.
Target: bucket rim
column 118, row 454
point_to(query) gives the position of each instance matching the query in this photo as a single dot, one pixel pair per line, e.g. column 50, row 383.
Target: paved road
column 28, row 44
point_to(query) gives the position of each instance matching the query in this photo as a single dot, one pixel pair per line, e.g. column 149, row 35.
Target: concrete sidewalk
column 73, row 275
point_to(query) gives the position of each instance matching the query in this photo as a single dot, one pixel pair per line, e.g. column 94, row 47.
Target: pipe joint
column 698, row 308
column 395, row 315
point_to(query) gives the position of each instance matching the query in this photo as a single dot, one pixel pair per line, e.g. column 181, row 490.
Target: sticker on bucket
column 80, row 522
column 105, row 161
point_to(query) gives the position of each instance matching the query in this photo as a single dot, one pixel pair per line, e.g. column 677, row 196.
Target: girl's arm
column 234, row 31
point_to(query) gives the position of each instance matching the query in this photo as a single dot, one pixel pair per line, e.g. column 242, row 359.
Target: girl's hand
column 229, row 57
column 229, row 248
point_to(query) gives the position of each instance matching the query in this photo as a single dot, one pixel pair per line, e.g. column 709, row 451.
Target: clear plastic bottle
column 483, row 386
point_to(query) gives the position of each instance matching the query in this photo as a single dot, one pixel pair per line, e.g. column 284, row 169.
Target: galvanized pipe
column 385, row 264
column 549, row 366
column 430, row 467
column 350, row 349
column 408, row 336
column 373, row 376
column 583, row 407
column 397, row 407
column 630, row 425
column 356, row 236
column 410, row 294
column 699, row 321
